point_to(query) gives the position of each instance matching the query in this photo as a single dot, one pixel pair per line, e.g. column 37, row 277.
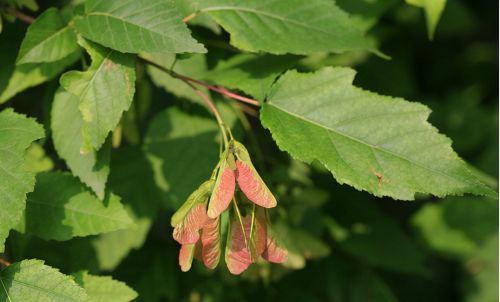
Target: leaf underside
column 292, row 26
column 136, row 25
column 379, row 144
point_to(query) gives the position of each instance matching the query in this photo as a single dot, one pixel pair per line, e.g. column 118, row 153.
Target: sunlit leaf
column 33, row 281
column 48, row 39
column 292, row 26
column 17, row 132
column 136, row 25
column 104, row 91
column 379, row 144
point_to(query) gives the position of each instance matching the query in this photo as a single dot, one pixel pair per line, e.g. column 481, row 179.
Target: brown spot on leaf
column 108, row 64
column 379, row 176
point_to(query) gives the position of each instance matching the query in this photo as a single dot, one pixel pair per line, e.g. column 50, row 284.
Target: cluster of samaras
column 197, row 224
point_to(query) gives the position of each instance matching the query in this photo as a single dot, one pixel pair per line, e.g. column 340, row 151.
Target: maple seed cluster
column 204, row 214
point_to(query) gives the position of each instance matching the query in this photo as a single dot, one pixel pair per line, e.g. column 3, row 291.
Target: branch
column 212, row 107
column 19, row 15
column 4, row 262
column 218, row 89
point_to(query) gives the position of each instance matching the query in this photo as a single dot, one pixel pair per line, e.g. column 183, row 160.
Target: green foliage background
column 344, row 244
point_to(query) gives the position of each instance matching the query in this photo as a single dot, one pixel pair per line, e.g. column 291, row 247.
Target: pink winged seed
column 187, row 232
column 260, row 233
column 252, row 185
column 223, row 193
column 186, row 256
column 238, row 258
column 273, row 252
column 210, row 242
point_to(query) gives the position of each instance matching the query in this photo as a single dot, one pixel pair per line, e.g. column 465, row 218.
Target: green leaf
column 456, row 226
column 30, row 4
column 104, row 91
column 17, row 132
column 183, row 150
column 33, row 281
column 279, row 27
column 136, row 25
column 433, row 10
column 29, row 75
column 252, row 74
column 104, row 289
column 379, row 144
column 132, row 178
column 482, row 280
column 48, row 39
column 373, row 237
column 60, row 208
column 194, row 66
column 35, row 159
column 66, row 123
column 366, row 13
column 188, row 7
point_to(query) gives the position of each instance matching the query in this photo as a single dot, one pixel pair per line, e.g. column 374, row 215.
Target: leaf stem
column 240, row 219
column 219, row 89
column 19, row 15
column 216, row 113
column 4, row 262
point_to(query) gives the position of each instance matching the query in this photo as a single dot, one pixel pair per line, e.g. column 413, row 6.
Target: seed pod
column 273, row 252
column 186, row 255
column 224, row 187
column 191, row 216
column 249, row 180
column 210, row 242
column 244, row 248
column 238, row 257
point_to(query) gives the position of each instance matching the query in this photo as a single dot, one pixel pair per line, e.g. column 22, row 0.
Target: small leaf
column 104, row 288
column 433, row 10
column 30, row 75
column 60, row 208
column 104, row 91
column 91, row 168
column 17, row 132
column 249, row 180
column 379, row 144
column 35, row 159
column 32, row 281
column 48, row 39
column 136, row 25
column 292, row 26
column 210, row 243
column 223, row 189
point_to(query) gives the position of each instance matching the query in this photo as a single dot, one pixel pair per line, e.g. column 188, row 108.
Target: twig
column 189, row 17
column 212, row 107
column 4, row 262
column 19, row 15
column 218, row 89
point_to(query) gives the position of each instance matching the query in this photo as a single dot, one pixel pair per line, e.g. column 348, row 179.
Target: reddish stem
column 19, row 15
column 212, row 107
column 4, row 262
column 219, row 89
